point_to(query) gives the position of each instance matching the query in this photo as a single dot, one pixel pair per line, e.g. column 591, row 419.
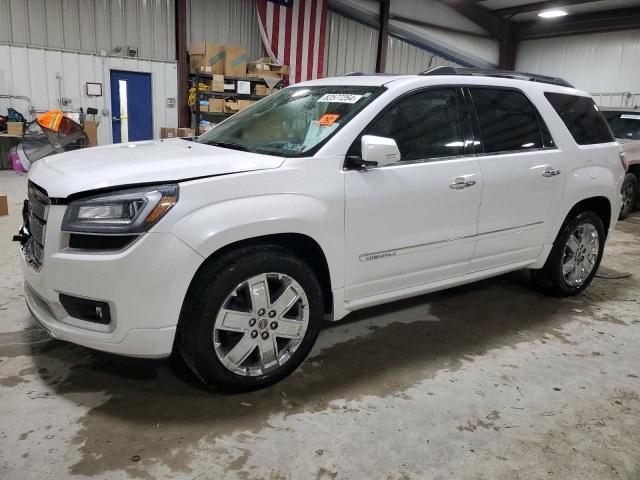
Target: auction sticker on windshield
column 339, row 98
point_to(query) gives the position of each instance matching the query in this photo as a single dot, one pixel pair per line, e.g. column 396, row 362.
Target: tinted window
column 582, row 118
column 624, row 125
column 508, row 121
column 424, row 125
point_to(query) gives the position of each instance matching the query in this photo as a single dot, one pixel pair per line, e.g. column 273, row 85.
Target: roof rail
column 482, row 72
column 367, row 74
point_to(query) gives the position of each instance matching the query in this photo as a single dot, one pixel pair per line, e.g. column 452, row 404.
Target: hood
column 168, row 160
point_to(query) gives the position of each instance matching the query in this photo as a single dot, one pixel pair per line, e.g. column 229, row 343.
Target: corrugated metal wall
column 31, row 72
column 352, row 47
column 604, row 62
column 231, row 22
column 403, row 57
column 92, row 26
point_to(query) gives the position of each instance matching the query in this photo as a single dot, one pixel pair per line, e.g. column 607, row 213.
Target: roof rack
column 482, row 72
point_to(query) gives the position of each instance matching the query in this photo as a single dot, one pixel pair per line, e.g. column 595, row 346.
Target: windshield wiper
column 233, row 146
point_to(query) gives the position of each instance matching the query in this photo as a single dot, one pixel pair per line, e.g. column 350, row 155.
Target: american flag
column 293, row 33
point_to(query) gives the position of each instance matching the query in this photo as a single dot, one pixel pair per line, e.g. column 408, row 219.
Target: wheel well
column 303, row 246
column 599, row 205
column 635, row 169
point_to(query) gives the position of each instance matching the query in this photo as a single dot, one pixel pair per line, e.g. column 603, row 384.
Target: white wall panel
column 351, row 46
column 231, row 22
column 604, row 62
column 31, row 72
column 92, row 25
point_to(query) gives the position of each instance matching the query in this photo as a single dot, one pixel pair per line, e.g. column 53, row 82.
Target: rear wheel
column 254, row 319
column 629, row 195
column 575, row 256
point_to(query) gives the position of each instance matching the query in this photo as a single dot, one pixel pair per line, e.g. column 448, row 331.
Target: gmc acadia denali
column 327, row 197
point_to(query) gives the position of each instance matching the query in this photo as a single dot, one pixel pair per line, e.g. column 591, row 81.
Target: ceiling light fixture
column 552, row 13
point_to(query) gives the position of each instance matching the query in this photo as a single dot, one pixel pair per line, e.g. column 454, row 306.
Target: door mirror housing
column 381, row 151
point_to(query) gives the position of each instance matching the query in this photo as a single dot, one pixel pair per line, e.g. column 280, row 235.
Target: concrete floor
column 487, row 381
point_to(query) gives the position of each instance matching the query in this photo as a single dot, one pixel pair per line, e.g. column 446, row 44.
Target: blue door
column 131, row 114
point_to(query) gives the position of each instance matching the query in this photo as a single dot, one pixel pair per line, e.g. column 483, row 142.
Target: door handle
column 115, row 119
column 550, row 172
column 460, row 183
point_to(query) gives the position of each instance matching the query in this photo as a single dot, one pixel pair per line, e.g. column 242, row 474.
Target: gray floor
column 487, row 381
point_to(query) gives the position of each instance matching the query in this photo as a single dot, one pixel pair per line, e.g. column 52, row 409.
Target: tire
column 222, row 318
column 551, row 277
column 629, row 193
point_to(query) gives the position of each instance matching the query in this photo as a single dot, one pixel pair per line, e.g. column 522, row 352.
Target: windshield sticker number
column 328, row 119
column 630, row 117
column 339, row 98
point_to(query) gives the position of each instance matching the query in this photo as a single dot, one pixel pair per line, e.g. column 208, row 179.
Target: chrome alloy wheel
column 580, row 254
column 261, row 324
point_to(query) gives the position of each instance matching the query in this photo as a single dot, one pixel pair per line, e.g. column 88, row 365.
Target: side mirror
column 379, row 151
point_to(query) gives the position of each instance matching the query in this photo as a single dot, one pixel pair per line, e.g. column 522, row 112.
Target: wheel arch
column 598, row 204
column 301, row 245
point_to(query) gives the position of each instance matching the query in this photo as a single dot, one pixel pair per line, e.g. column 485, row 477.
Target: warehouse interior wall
column 230, row 22
column 32, row 72
column 457, row 47
column 352, row 47
column 596, row 63
column 92, row 26
column 80, row 41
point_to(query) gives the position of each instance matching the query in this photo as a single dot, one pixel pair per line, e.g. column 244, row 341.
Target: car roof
column 393, row 80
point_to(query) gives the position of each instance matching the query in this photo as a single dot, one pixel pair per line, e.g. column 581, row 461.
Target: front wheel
column 575, row 256
column 629, row 195
column 254, row 319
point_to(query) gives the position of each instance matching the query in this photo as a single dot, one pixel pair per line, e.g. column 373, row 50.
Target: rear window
column 581, row 116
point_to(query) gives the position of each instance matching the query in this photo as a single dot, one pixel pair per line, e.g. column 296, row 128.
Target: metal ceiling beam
column 539, row 6
column 434, row 26
column 383, row 36
column 183, row 62
column 609, row 21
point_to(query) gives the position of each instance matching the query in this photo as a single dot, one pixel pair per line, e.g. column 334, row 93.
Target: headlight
column 122, row 212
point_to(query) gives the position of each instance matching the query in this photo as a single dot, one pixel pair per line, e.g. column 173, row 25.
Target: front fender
column 211, row 227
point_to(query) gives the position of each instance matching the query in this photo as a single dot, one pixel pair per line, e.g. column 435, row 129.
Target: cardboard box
column 15, row 128
column 168, row 132
column 216, row 105
column 4, row 205
column 207, row 57
column 217, row 84
column 91, row 130
column 235, row 62
column 265, row 68
column 242, row 104
column 231, row 106
column 186, row 132
column 264, row 90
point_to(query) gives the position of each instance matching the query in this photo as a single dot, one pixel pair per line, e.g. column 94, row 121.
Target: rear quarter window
column 581, row 116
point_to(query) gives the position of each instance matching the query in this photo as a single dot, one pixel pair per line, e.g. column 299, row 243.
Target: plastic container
column 15, row 161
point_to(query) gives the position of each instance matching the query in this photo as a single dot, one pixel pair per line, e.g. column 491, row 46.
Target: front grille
column 36, row 223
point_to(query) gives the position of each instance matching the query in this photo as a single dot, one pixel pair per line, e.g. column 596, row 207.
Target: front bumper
column 144, row 285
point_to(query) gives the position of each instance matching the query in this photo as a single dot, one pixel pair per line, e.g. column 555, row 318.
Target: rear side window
column 581, row 116
column 508, row 121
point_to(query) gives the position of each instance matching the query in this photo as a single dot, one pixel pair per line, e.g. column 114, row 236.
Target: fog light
column 85, row 309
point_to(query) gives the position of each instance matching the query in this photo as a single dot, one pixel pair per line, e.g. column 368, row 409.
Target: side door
column 522, row 177
column 413, row 222
column 131, row 106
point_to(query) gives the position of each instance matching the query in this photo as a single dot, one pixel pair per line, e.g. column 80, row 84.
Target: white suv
column 327, row 197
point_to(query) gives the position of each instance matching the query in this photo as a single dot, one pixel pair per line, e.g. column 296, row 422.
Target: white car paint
column 386, row 233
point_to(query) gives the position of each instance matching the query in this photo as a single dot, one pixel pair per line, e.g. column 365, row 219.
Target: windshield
column 624, row 125
column 292, row 122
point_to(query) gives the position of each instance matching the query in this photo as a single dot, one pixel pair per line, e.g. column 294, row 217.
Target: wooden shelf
column 241, row 96
column 229, row 77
